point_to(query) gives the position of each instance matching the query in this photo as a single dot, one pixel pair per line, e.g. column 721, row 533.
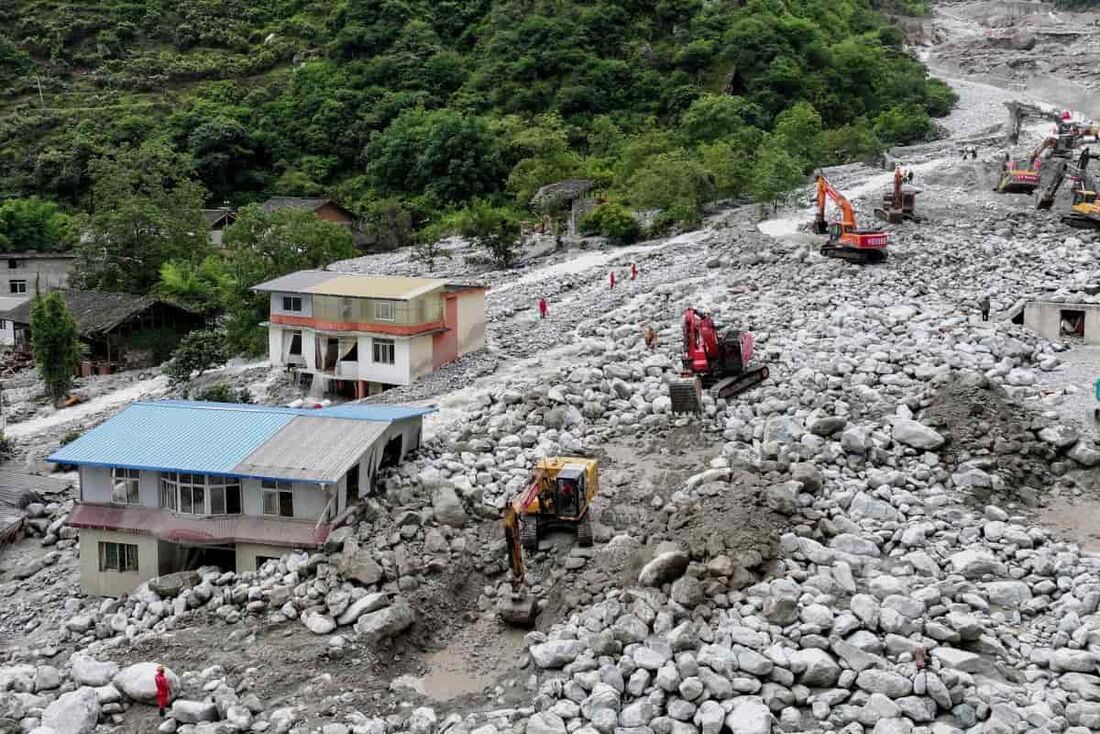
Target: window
column 278, row 498
column 12, row 263
column 125, row 486
column 197, row 494
column 296, row 344
column 121, row 557
column 383, row 310
column 383, row 351
column 17, row 286
column 292, row 303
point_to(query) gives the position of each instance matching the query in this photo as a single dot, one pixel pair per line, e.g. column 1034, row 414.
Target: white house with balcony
column 366, row 333
column 174, row 485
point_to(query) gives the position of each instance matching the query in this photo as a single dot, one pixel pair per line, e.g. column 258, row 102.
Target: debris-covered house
column 119, row 330
column 173, row 485
column 19, row 493
column 366, row 333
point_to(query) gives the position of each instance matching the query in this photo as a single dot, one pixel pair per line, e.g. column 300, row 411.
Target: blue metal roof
column 199, row 437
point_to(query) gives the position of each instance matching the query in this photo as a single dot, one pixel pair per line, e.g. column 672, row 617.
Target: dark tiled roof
column 217, row 216
column 95, row 311
column 278, row 203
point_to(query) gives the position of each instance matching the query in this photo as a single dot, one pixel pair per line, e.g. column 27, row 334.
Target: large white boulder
column 75, row 712
column 137, row 682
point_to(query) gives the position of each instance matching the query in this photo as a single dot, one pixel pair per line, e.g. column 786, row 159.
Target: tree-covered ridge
column 413, row 106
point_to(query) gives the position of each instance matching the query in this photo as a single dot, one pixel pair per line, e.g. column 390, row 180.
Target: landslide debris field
column 888, row 535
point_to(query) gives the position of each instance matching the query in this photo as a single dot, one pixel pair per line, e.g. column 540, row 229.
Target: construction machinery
column 558, row 494
column 846, row 241
column 721, row 364
column 1046, row 198
column 1077, row 172
column 1084, row 210
column 1022, row 177
column 899, row 202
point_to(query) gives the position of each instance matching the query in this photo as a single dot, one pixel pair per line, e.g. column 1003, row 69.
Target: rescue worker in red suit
column 633, row 271
column 164, row 689
column 611, row 278
column 542, row 308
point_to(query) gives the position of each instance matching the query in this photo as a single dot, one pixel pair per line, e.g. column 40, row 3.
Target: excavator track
column 851, row 254
column 731, row 386
column 1081, row 221
column 686, row 394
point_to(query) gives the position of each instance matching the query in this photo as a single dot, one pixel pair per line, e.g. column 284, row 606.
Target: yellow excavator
column 559, row 494
column 1084, row 210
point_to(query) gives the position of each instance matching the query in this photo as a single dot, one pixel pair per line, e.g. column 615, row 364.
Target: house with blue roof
column 174, row 485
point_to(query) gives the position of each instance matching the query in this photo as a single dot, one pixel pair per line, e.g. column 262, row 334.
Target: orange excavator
column 846, row 241
column 1022, row 177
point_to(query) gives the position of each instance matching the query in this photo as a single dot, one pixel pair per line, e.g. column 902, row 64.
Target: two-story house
column 31, row 272
column 174, row 485
column 367, row 333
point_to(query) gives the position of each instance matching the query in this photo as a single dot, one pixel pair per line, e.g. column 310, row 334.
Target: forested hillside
column 404, row 108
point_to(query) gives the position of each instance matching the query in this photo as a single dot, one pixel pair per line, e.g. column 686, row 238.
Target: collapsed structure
column 174, row 485
column 366, row 333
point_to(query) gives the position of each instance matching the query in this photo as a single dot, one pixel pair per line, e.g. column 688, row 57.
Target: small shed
column 119, row 330
column 572, row 195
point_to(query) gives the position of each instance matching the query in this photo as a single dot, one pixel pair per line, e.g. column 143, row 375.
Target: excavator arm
column 515, row 547
column 1046, row 199
column 1033, row 159
column 826, row 191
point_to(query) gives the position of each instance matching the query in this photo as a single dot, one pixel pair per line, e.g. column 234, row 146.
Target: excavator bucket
column 518, row 610
column 686, row 394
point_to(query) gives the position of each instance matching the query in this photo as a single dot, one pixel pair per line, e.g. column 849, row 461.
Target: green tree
column 494, row 229
column 259, row 247
column 613, row 221
column 445, row 154
column 799, row 129
column 197, row 352
column 146, row 212
column 55, row 338
column 775, row 174
column 676, row 183
column 718, row 117
column 35, row 225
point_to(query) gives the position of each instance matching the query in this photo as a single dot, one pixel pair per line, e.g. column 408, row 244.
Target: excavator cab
column 569, row 491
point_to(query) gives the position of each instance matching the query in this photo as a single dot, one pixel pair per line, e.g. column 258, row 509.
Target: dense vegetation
column 401, row 108
column 121, row 118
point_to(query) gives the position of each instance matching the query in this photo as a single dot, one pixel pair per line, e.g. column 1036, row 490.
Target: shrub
column 197, row 352
column 613, row 221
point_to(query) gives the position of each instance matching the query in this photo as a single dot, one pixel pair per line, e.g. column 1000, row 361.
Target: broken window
column 122, row 557
column 384, row 351
column 296, row 344
column 1072, row 323
column 125, row 486
column 278, row 498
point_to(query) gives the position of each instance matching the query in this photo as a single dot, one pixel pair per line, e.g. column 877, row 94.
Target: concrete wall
column 309, row 499
column 471, row 321
column 420, row 356
column 1045, row 319
column 113, row 583
column 398, row 373
column 48, row 273
column 7, row 333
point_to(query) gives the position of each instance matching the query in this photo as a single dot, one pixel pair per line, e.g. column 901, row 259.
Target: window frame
column 132, row 478
column 175, row 486
column 382, row 306
column 279, row 494
column 120, row 557
column 289, row 303
column 13, row 290
column 384, row 344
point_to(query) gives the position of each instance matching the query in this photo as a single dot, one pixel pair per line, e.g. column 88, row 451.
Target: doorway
column 391, row 454
column 351, row 489
column 1071, row 324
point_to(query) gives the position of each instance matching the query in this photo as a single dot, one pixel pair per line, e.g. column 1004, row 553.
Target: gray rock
column 709, row 717
column 749, row 716
column 893, row 726
column 385, row 623
column 1059, row 436
column 318, row 624
column 88, row 672
column 192, row 712
column 951, row 657
column 1009, row 594
column 916, row 435
column 170, row 585
column 363, row 605
column 782, row 498
column 556, row 653
column 1077, row 661
column 1084, row 454
column 664, row 568
column 358, row 565
column 809, row 476
column 974, row 564
column 820, row 670
column 75, row 712
column 448, row 507
column 137, row 683
column 546, row 723
column 48, row 678
column 889, row 684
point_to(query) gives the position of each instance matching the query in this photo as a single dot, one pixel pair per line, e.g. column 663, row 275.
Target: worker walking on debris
column 650, row 337
column 164, row 689
column 633, row 271
column 543, row 308
column 983, row 304
column 611, row 279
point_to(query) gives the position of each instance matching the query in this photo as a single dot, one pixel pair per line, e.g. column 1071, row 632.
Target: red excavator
column 846, row 241
column 719, row 363
column 1023, row 177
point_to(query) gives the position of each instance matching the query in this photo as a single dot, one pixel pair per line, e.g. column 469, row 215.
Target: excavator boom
column 846, row 241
